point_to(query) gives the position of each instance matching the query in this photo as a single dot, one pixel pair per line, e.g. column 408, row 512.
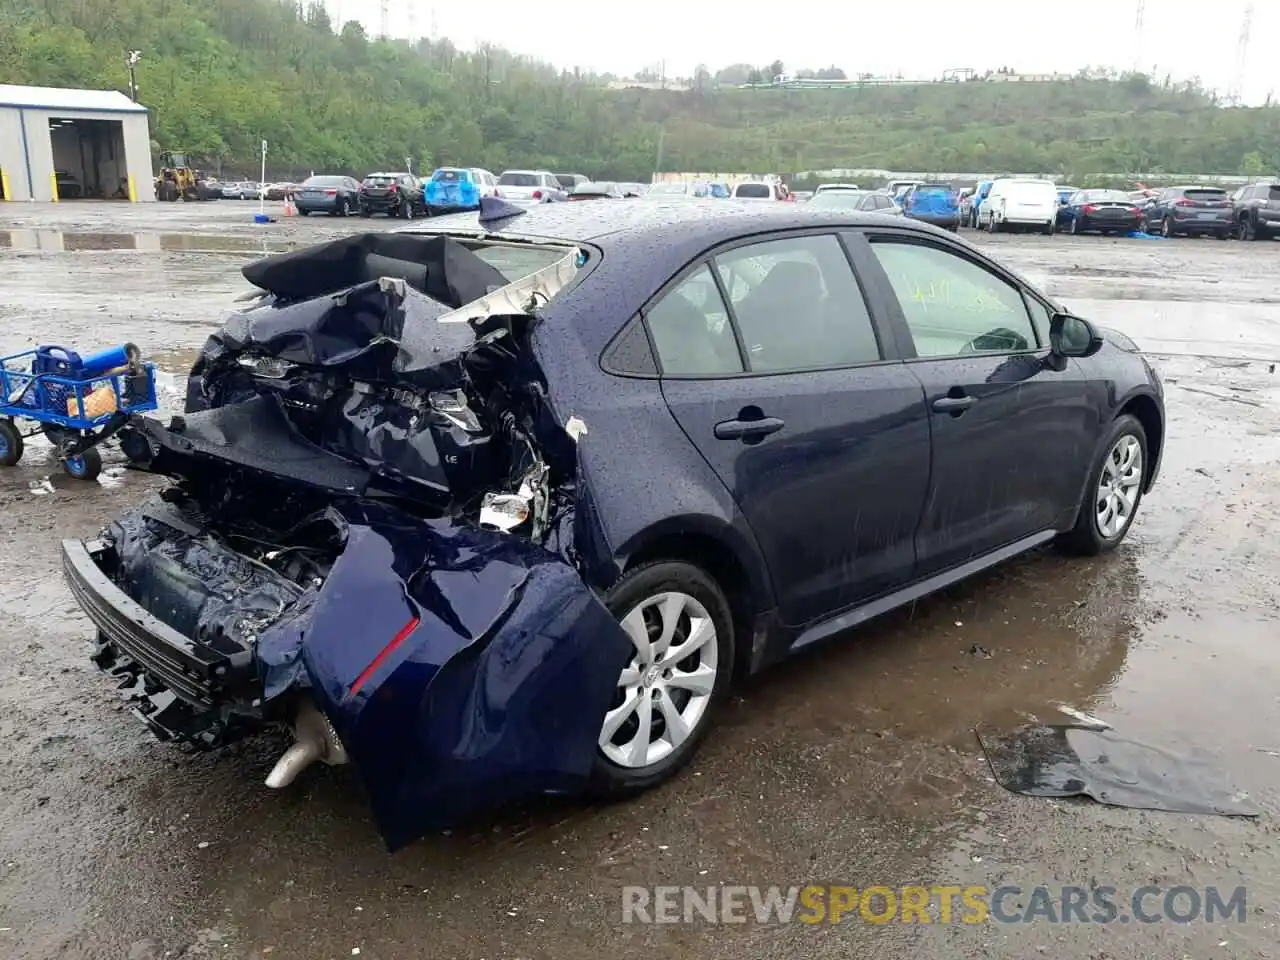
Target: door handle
column 747, row 429
column 954, row 404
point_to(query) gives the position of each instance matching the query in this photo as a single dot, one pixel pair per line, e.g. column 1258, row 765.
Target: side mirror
column 1072, row 336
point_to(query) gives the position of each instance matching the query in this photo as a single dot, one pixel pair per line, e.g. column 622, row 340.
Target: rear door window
column 798, row 305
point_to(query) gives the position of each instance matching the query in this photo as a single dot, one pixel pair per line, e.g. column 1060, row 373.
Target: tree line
column 221, row 75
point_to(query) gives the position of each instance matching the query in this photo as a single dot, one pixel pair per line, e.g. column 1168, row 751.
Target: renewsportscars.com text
column 816, row 904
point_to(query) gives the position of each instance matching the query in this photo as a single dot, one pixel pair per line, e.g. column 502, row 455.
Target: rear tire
column 1166, row 228
column 1087, row 538
column 10, row 444
column 632, row 600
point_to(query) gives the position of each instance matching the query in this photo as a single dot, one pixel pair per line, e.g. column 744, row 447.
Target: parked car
column 454, row 189
column 530, row 186
column 827, row 187
column 803, row 196
column 1257, row 211
column 570, row 181
column 868, row 201
column 756, row 190
column 897, row 188
column 717, row 190
column 1190, row 211
column 935, row 203
column 970, row 205
column 687, row 191
column 241, row 190
column 397, row 194
column 337, row 196
column 1018, row 202
column 598, row 190
column 451, row 559
column 1106, row 211
column 280, row 191
column 1065, row 193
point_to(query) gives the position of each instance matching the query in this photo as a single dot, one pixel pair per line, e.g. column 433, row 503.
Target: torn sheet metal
column 1070, row 761
column 497, row 693
column 521, row 296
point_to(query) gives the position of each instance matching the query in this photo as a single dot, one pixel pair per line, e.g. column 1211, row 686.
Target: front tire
column 682, row 628
column 84, row 466
column 1114, row 492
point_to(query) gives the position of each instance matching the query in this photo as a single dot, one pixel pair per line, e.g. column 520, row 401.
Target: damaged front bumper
column 457, row 668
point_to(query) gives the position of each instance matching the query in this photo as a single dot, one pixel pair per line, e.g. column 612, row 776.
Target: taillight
column 1088, row 208
column 537, row 194
column 1184, row 203
column 331, row 193
column 391, row 189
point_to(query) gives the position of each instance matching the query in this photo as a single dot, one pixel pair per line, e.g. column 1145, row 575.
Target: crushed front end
column 369, row 539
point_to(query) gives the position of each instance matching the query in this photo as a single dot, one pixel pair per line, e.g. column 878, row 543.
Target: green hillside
column 219, row 75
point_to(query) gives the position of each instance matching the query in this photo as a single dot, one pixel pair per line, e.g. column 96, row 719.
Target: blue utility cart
column 77, row 402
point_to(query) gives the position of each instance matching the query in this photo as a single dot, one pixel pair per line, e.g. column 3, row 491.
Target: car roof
column 701, row 223
column 644, row 245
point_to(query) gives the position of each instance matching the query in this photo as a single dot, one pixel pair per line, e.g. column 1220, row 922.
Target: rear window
column 450, row 176
column 1107, row 196
column 379, row 181
column 1206, row 194
column 1275, row 193
column 566, row 180
column 754, row 191
column 520, row 180
column 837, row 200
column 934, row 188
column 515, row 262
column 317, row 182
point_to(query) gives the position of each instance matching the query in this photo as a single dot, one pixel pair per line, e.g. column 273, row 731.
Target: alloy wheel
column 664, row 692
column 1118, row 487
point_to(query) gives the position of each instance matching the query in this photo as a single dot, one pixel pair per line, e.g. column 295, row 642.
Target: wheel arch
column 724, row 554
column 1147, row 411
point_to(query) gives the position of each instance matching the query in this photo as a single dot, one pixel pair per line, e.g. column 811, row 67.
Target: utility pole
column 1137, row 33
column 657, row 169
column 385, row 11
column 1242, row 54
column 132, row 60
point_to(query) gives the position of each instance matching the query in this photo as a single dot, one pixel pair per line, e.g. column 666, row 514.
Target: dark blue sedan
column 1103, row 211
column 502, row 504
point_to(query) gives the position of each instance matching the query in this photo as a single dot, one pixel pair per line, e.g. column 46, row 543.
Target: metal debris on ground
column 1071, row 761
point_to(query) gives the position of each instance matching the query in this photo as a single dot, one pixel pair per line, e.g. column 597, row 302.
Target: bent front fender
column 463, row 669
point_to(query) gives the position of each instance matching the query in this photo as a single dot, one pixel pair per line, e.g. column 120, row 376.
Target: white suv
column 530, row 186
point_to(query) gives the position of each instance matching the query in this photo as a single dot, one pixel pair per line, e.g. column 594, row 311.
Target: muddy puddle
column 69, row 241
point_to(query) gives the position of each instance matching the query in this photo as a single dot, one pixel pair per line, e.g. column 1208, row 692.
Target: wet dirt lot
column 854, row 765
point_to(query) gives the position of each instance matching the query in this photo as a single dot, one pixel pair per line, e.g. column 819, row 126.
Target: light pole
column 134, row 57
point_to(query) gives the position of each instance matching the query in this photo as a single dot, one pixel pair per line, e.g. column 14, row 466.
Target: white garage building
column 60, row 144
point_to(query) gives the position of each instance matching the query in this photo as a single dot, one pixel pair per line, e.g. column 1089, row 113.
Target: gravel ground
column 855, row 764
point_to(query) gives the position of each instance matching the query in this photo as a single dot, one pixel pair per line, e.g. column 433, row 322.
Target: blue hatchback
column 935, row 203
column 451, row 190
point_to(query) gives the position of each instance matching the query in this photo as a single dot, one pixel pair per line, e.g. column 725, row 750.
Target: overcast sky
column 1181, row 37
